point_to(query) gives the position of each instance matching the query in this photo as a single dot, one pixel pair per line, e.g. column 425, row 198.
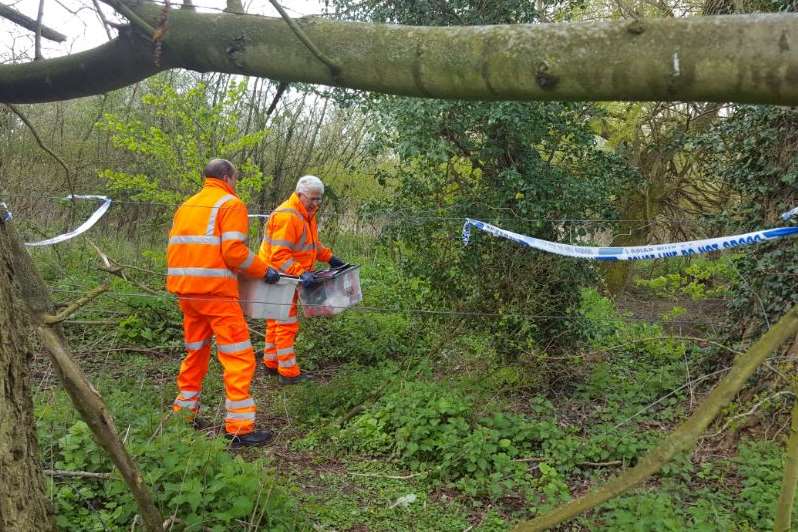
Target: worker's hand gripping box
column 267, row 301
column 339, row 289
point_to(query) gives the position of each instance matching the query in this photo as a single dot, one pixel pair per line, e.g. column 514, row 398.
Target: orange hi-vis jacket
column 207, row 244
column 291, row 244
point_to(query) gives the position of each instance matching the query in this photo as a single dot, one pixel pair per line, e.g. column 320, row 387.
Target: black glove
column 271, row 276
column 309, row 280
column 335, row 262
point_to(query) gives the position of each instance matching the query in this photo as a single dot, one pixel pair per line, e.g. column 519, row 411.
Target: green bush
column 366, row 335
column 191, row 476
column 701, row 278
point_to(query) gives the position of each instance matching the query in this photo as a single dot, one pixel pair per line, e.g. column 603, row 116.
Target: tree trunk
column 23, row 501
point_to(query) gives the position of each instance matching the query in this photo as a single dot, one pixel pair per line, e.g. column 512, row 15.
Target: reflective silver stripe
column 268, row 346
column 193, row 346
column 285, row 350
column 239, row 404
column 194, row 239
column 201, row 272
column 287, row 320
column 286, row 264
column 277, row 242
column 233, row 348
column 241, row 415
column 234, row 235
column 187, row 394
column 290, row 363
column 247, row 262
column 186, row 404
column 215, row 212
column 290, row 245
column 271, row 357
column 291, row 211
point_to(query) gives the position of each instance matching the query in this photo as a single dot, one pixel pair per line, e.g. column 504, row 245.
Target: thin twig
column 131, row 16
column 42, row 145
column 335, row 70
column 750, row 412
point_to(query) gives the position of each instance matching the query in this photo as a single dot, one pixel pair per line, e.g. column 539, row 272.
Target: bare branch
column 77, row 474
column 334, row 69
column 28, row 23
column 42, row 145
column 38, row 39
column 76, row 305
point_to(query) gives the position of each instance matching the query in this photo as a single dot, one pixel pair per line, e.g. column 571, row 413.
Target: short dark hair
column 219, row 168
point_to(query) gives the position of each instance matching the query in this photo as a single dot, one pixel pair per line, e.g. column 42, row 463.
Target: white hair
column 307, row 183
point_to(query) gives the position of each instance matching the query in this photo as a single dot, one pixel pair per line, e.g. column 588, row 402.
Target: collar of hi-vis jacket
column 212, row 182
column 295, row 203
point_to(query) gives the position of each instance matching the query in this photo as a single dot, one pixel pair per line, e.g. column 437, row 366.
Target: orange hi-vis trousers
column 279, row 350
column 204, row 317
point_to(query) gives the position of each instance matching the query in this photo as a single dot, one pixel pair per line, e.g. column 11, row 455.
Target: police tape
column 82, row 228
column 657, row 251
column 7, row 216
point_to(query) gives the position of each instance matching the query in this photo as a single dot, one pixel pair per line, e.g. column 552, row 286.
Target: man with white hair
column 291, row 245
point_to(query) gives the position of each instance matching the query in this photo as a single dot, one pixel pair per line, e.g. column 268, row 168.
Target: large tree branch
column 30, row 24
column 743, row 58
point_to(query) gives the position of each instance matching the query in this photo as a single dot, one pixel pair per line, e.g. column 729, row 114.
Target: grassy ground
column 411, row 423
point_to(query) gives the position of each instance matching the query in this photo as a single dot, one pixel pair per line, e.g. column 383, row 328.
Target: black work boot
column 269, row 371
column 252, row 439
column 293, row 380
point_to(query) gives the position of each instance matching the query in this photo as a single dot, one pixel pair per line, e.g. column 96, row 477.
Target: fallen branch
column 392, row 477
column 788, row 484
column 78, row 474
column 114, row 268
column 685, row 435
column 96, row 415
column 73, row 307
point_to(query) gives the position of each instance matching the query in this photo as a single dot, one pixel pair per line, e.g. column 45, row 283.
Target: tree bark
column 23, row 500
column 740, row 58
column 32, row 292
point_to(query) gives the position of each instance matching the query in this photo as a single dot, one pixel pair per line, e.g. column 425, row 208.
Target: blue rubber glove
column 309, row 280
column 335, row 262
column 271, row 276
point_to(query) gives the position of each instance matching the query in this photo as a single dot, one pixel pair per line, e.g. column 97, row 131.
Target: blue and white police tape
column 82, row 228
column 7, row 216
column 657, row 251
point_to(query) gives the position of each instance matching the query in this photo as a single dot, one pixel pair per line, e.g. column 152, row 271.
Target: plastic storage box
column 266, row 301
column 339, row 290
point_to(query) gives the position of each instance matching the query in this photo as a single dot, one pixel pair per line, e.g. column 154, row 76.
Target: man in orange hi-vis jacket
column 291, row 245
column 207, row 247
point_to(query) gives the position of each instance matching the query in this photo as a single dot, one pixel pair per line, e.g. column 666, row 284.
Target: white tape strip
column 82, row 228
column 789, row 214
column 659, row 251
